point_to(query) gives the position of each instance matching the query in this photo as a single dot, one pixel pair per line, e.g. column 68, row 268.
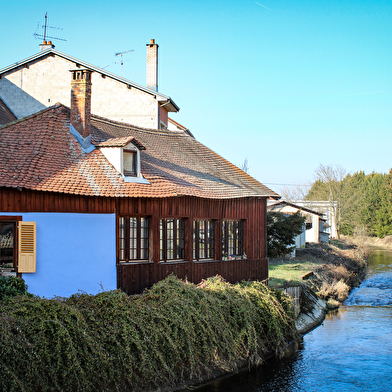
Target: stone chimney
column 152, row 65
column 46, row 45
column 81, row 101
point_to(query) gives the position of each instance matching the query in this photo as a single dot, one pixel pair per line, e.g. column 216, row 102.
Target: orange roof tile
column 39, row 153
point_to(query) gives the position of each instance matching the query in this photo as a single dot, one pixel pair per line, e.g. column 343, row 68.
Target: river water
column 350, row 351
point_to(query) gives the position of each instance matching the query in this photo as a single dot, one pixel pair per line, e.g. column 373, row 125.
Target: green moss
column 172, row 333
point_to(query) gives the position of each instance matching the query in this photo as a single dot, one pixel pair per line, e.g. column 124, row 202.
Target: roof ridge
column 95, row 68
column 130, row 126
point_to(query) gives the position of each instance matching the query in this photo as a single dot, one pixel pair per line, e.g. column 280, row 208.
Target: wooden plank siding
column 134, row 277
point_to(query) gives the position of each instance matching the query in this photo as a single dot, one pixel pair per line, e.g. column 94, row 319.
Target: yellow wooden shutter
column 27, row 247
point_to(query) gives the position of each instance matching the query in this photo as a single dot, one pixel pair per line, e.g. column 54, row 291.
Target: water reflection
column 351, row 351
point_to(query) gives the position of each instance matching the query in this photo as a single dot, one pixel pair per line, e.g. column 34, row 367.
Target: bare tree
column 295, row 193
column 245, row 166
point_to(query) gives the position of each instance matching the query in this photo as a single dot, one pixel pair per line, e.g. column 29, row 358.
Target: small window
column 133, row 238
column 171, row 239
column 7, row 244
column 130, row 165
column 203, row 239
column 17, row 244
column 232, row 238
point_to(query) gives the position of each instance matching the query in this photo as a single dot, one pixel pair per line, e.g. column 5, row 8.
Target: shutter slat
column 27, row 247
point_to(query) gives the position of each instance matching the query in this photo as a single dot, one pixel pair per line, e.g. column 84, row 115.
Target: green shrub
column 281, row 232
column 170, row 334
column 11, row 286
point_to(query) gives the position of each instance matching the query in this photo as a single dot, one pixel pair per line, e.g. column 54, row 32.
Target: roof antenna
column 45, row 27
column 121, row 61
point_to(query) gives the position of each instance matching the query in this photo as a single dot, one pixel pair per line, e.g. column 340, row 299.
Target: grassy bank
column 331, row 270
column 173, row 335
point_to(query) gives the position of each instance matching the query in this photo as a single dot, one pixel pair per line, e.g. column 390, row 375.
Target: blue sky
column 286, row 85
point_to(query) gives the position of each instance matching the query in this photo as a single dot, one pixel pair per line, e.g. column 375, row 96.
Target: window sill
column 135, row 179
column 173, row 261
column 206, row 261
column 135, row 262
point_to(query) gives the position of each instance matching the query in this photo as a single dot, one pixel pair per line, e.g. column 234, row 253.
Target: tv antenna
column 45, row 27
column 121, row 54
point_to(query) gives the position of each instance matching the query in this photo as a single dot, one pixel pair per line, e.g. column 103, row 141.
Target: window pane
column 202, row 240
column 180, row 239
column 230, row 238
column 129, row 163
column 211, row 240
column 121, row 238
column 161, row 240
column 144, row 238
column 170, row 239
column 133, row 238
column 7, row 233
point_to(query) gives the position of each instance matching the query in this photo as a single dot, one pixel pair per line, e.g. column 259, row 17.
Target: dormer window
column 130, row 163
column 124, row 155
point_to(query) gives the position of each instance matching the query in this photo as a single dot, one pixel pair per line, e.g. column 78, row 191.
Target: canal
column 351, row 351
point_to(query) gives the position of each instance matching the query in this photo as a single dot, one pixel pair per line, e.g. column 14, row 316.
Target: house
column 314, row 229
column 176, row 127
column 93, row 203
column 329, row 211
column 42, row 79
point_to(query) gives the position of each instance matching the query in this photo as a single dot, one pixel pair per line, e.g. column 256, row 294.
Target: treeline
column 363, row 201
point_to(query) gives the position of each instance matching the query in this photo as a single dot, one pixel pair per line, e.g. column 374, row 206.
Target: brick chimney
column 81, row 101
column 46, row 45
column 152, row 65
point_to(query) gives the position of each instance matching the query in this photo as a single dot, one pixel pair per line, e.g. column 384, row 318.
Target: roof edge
column 160, row 97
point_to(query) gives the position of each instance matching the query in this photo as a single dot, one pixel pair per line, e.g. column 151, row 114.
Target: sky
column 286, row 85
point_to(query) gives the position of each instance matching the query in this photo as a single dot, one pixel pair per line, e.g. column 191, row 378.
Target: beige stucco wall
column 46, row 81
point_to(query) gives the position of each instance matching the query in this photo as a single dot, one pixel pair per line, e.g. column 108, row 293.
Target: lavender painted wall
column 75, row 252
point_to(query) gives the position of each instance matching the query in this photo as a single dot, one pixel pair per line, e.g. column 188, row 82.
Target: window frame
column 171, row 239
column 208, row 251
column 135, row 248
column 15, row 220
column 233, row 246
column 134, row 171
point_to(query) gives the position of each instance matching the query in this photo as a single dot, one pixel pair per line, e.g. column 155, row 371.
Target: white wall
column 48, row 81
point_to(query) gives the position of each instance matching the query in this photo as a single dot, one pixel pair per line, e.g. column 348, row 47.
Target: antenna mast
column 121, row 59
column 45, row 27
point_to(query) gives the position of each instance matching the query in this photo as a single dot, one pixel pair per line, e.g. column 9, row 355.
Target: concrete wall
column 75, row 252
column 48, row 81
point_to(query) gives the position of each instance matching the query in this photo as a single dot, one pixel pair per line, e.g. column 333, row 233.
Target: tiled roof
column 120, row 142
column 39, row 153
column 6, row 116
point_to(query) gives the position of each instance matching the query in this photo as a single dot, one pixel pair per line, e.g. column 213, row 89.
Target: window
column 171, row 239
column 232, row 238
column 130, row 165
column 133, row 238
column 7, row 244
column 17, row 244
column 203, row 239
